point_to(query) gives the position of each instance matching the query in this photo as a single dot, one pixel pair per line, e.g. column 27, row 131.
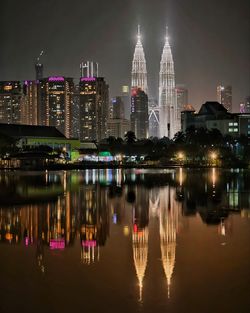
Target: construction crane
column 38, row 58
column 39, row 67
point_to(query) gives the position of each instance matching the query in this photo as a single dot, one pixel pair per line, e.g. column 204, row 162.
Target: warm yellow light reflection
column 126, row 231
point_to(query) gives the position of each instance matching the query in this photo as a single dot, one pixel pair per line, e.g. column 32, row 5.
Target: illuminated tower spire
column 139, row 69
column 169, row 121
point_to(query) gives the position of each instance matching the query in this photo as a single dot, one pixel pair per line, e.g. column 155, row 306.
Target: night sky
column 210, row 41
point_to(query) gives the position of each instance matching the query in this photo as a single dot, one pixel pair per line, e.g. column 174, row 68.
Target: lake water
column 125, row 241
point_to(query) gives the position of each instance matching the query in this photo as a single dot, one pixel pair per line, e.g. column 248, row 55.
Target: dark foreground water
column 125, row 241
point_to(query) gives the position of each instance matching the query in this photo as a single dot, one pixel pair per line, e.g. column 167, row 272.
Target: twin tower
column 169, row 115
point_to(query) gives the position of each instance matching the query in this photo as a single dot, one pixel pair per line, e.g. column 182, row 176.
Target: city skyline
column 203, row 52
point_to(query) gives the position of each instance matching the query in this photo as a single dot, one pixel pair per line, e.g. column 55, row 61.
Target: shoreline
column 64, row 167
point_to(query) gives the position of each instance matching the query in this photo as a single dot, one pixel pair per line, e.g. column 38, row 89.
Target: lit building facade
column 117, row 108
column 153, row 118
column 94, row 108
column 125, row 96
column 139, row 113
column 247, row 105
column 89, row 69
column 29, row 109
column 11, row 97
column 55, row 101
column 224, row 96
column 139, row 69
column 182, row 98
column 76, row 113
column 118, row 127
column 170, row 119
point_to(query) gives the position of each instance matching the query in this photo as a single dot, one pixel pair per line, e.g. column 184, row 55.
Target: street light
column 180, row 156
column 213, row 157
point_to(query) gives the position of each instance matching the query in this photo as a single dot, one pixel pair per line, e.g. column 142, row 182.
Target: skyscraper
column 29, row 108
column 153, row 118
column 125, row 96
column 117, row 124
column 169, row 116
column 89, row 69
column 10, row 102
column 94, row 108
column 139, row 89
column 55, row 99
column 39, row 67
column 224, row 96
column 182, row 97
column 139, row 69
column 139, row 113
column 117, row 107
column 247, row 105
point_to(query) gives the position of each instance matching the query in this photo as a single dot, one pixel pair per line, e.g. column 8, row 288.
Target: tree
column 179, row 137
column 130, row 137
column 7, row 144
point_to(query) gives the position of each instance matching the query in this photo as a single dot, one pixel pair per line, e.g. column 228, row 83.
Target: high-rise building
column 139, row 113
column 29, row 108
column 242, row 107
column 139, row 69
column 55, row 100
column 182, row 97
column 118, row 127
column 39, row 67
column 76, row 113
column 89, row 69
column 182, row 100
column 170, row 121
column 224, row 96
column 39, row 70
column 247, row 105
column 94, row 108
column 10, row 102
column 153, row 118
column 139, row 88
column 117, row 107
column 125, row 96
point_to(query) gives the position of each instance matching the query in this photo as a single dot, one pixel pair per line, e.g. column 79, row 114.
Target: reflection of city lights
column 213, row 177
column 57, row 244
column 126, row 231
column 181, row 176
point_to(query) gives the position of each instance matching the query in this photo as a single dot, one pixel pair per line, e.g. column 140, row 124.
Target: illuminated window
column 230, row 130
column 230, row 124
column 235, row 130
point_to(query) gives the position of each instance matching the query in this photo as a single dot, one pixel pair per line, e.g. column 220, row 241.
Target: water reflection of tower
column 60, row 223
column 94, row 222
column 168, row 218
column 154, row 200
column 140, row 235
